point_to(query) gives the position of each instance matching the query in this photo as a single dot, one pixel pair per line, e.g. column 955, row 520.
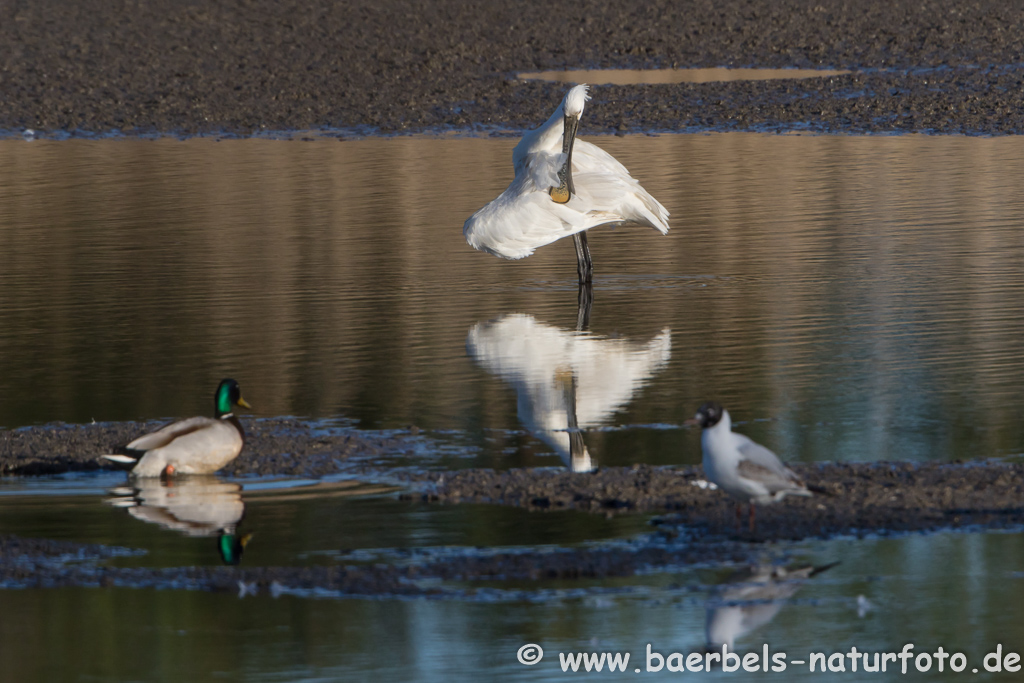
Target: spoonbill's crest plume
column 575, row 99
column 562, row 188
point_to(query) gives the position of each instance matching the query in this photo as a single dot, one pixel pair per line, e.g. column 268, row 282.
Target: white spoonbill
column 562, row 187
column 739, row 465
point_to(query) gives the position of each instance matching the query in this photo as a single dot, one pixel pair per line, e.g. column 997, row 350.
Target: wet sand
column 696, row 526
column 42, row 563
column 856, row 498
column 277, row 446
column 247, row 66
column 691, row 524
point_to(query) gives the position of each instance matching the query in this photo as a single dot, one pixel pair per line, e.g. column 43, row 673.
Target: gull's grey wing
column 760, row 464
column 757, row 454
column 769, row 478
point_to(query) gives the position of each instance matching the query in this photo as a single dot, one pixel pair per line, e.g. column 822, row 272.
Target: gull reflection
column 750, row 599
column 566, row 381
column 199, row 506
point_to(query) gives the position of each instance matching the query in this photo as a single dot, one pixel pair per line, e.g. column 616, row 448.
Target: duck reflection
column 750, row 599
column 566, row 381
column 199, row 506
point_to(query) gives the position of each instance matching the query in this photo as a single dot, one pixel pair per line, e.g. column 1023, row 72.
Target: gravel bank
column 245, row 66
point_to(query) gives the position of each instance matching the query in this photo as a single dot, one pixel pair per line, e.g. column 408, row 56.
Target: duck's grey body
column 198, row 445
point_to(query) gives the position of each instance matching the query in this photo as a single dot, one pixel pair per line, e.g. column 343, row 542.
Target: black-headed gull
column 740, row 466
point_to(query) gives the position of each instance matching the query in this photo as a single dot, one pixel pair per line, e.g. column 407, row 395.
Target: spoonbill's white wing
column 524, row 217
column 609, row 194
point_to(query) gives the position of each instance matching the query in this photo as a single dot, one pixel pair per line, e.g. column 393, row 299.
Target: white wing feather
column 524, row 217
column 168, row 433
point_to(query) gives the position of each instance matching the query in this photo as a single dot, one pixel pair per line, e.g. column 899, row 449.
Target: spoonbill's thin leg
column 583, row 304
column 577, row 447
column 584, row 266
column 751, row 518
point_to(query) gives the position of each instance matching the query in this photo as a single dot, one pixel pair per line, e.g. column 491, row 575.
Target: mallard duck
column 231, row 546
column 198, row 445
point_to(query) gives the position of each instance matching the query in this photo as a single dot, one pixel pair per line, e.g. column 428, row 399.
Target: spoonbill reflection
column 565, row 381
column 563, row 186
column 750, row 599
column 191, row 506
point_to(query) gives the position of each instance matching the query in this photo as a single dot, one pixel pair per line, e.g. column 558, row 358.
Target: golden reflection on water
column 669, row 76
column 864, row 291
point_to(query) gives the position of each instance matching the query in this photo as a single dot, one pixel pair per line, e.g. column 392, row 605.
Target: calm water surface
column 848, row 298
column 857, row 298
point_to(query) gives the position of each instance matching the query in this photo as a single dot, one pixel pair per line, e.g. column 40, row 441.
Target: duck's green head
column 231, row 547
column 227, row 397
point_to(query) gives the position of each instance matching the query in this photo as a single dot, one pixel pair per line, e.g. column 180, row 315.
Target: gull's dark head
column 709, row 414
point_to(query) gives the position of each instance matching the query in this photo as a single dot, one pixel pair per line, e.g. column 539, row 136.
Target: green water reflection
column 917, row 594
column 847, row 299
column 861, row 294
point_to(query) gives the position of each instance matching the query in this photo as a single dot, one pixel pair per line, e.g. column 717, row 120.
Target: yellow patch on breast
column 560, row 194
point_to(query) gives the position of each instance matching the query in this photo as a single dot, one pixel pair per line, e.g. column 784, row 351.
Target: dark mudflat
column 696, row 526
column 278, row 446
column 42, row 563
column 859, row 498
column 245, row 66
column 862, row 496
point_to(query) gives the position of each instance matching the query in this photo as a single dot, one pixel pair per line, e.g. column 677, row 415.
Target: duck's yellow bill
column 242, row 402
